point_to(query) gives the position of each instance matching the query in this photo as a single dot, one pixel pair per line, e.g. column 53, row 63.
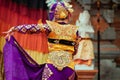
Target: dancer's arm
column 30, row 28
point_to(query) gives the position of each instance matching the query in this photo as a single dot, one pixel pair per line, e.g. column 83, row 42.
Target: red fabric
column 13, row 14
column 36, row 42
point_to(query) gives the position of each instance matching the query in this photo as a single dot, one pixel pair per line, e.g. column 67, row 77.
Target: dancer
column 61, row 48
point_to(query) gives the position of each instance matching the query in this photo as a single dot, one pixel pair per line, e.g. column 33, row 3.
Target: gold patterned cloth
column 60, row 59
column 62, row 31
column 60, row 55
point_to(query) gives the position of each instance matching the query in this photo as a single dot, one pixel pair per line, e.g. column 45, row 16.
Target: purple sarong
column 19, row 65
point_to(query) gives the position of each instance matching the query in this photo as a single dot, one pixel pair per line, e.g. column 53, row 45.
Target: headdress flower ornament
column 63, row 7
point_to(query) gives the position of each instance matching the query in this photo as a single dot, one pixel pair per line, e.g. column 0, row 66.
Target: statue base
column 86, row 74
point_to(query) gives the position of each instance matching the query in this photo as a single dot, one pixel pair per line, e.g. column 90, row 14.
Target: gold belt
column 59, row 41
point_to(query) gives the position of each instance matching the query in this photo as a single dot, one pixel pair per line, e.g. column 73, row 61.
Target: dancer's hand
column 9, row 33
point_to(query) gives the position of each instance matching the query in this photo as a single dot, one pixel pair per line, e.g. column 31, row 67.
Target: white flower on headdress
column 69, row 7
column 50, row 2
column 66, row 0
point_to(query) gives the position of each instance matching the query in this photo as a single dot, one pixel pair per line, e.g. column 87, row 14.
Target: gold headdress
column 60, row 8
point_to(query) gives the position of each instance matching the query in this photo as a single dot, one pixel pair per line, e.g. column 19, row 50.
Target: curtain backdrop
column 17, row 12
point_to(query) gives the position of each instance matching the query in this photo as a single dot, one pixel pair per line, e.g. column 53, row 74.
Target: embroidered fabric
column 19, row 65
column 31, row 28
column 60, row 59
column 46, row 73
column 65, row 32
